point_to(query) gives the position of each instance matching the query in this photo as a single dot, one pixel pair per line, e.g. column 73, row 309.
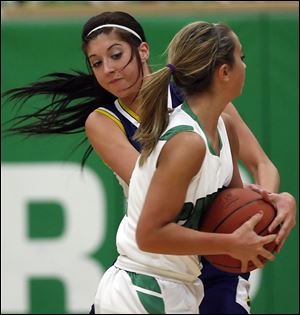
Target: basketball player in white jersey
column 186, row 159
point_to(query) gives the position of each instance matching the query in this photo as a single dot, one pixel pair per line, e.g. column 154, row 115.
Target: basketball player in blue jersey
column 117, row 52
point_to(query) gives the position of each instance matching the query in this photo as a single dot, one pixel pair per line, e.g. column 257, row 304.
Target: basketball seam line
column 232, row 212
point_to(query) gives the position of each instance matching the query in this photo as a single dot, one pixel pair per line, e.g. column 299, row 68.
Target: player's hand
column 285, row 204
column 251, row 245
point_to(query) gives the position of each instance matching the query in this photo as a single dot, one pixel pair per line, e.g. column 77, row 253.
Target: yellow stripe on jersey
column 129, row 111
column 112, row 118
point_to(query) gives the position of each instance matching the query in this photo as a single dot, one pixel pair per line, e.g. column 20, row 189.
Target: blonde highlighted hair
column 195, row 52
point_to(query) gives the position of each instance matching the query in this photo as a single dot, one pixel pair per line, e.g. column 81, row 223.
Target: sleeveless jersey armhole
column 111, row 116
column 175, row 130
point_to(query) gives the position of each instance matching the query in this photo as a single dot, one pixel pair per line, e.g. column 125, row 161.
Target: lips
column 114, row 80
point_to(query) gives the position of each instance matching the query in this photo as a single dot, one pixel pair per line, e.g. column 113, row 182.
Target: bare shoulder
column 227, row 119
column 230, row 109
column 191, row 141
column 94, row 118
column 231, row 132
column 99, row 123
column 229, row 124
column 186, row 149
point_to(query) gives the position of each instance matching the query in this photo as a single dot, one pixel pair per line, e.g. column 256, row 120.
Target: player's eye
column 116, row 56
column 96, row 64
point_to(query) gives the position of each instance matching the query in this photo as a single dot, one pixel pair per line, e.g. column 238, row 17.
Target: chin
column 125, row 93
column 122, row 95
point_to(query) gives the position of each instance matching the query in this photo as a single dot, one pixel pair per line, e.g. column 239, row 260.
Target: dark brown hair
column 73, row 96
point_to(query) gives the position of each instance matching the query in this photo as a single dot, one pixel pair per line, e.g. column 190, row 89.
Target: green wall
column 33, row 48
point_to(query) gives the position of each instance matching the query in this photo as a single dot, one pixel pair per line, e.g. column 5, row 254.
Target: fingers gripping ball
column 231, row 208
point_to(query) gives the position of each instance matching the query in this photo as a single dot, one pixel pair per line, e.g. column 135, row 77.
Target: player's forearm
column 252, row 155
column 173, row 239
column 267, row 176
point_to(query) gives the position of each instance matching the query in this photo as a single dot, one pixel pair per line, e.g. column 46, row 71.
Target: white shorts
column 124, row 292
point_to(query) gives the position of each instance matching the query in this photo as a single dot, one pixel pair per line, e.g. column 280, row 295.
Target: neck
column 132, row 103
column 208, row 110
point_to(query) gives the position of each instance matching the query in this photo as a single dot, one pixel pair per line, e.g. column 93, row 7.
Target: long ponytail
column 72, row 98
column 154, row 110
column 193, row 56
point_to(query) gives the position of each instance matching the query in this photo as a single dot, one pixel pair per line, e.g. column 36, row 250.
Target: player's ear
column 144, row 52
column 224, row 72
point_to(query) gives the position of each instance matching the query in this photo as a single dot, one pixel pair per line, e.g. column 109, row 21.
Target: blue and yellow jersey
column 128, row 121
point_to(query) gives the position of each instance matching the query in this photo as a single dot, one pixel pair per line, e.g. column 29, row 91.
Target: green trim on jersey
column 185, row 107
column 173, row 131
column 190, row 215
column 149, row 292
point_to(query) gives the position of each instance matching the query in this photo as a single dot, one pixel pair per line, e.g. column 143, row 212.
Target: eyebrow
column 110, row 47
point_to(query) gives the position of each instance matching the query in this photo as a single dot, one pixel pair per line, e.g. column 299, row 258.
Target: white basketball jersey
column 214, row 174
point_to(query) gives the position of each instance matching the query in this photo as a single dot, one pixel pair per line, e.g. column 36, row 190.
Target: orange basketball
column 231, row 208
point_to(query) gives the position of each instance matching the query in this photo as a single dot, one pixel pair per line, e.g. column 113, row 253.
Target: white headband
column 117, row 26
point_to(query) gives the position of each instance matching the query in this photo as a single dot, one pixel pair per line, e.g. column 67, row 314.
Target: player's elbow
column 141, row 239
column 144, row 239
